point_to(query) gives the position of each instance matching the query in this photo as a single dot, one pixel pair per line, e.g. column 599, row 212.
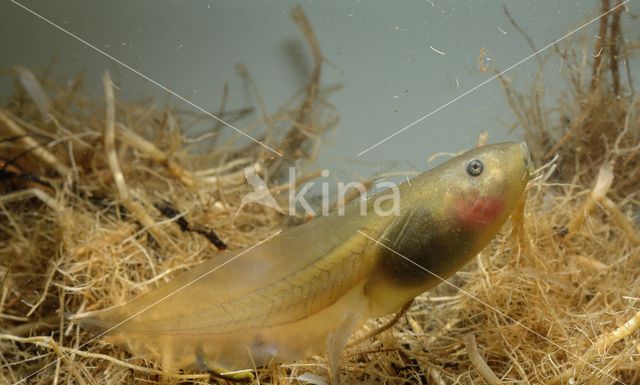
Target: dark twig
column 169, row 211
column 522, row 32
column 600, row 44
column 614, row 51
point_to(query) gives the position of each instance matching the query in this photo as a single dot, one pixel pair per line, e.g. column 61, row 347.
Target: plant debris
column 101, row 200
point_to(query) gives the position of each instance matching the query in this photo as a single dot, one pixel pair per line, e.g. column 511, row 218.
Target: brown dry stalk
column 478, row 362
column 602, row 185
column 599, row 347
column 139, row 143
column 62, row 351
column 134, row 207
column 27, row 193
column 621, row 220
column 36, row 148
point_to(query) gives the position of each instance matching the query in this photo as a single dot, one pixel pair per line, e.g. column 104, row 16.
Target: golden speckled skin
column 282, row 299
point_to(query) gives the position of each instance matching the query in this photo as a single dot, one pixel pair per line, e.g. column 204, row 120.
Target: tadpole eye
column 475, row 167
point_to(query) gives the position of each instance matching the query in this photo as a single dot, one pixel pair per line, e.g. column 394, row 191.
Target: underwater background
column 397, row 61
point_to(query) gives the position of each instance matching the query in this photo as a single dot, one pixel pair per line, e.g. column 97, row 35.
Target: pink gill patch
column 478, row 211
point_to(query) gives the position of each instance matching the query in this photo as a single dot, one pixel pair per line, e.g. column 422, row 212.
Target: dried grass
column 103, row 200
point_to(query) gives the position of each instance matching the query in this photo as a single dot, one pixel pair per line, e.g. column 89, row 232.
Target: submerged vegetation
column 104, row 199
